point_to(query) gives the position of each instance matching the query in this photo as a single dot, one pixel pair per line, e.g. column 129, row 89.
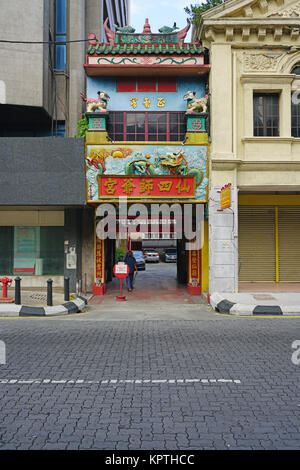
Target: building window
column 148, row 126
column 58, row 129
column 296, row 69
column 29, row 251
column 60, row 34
column 147, row 84
column 295, row 106
column 266, row 114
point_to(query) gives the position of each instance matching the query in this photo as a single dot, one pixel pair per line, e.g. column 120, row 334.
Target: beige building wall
column 21, row 71
column 253, row 47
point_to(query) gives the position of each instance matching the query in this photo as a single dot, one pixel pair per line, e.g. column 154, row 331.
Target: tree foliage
column 195, row 11
column 82, row 126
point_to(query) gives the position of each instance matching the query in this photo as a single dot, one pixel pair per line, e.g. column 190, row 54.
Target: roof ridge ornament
column 147, row 28
column 125, row 35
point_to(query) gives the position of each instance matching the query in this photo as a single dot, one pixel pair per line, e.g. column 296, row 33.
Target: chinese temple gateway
column 147, row 138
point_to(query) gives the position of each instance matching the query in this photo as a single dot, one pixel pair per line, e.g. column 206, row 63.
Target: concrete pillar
column 223, row 244
column 73, row 242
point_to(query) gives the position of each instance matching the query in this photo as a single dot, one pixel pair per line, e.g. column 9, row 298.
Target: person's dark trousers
column 129, row 280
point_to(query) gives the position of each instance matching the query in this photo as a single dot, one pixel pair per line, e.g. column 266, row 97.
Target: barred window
column 266, row 114
column 148, row 126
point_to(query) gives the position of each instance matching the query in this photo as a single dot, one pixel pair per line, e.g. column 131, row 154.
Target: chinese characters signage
column 137, row 187
column 160, row 168
column 225, row 196
column 99, row 258
column 147, row 103
column 195, row 265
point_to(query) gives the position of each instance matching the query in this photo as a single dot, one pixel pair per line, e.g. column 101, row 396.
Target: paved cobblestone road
column 104, row 412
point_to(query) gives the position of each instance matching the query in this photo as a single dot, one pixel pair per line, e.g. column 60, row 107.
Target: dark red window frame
column 148, row 126
column 147, row 84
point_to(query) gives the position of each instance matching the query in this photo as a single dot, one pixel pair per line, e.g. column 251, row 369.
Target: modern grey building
column 41, row 73
column 43, row 212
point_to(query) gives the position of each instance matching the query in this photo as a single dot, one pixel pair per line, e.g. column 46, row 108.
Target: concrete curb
column 74, row 306
column 222, row 305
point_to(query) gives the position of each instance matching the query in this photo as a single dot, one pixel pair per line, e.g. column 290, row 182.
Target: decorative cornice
column 213, row 29
column 267, row 79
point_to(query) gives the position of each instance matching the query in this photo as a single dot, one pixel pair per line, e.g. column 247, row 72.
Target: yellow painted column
column 276, row 246
column 204, row 261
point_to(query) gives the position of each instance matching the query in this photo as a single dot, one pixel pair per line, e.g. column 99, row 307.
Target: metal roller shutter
column 289, row 243
column 257, row 243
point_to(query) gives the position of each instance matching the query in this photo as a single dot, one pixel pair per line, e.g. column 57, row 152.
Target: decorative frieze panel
column 261, row 62
column 146, row 60
column 292, row 11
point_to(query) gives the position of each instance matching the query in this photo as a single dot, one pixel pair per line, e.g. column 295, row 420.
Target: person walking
column 131, row 263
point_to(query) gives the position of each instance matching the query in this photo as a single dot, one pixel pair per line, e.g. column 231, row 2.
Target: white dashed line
column 116, row 381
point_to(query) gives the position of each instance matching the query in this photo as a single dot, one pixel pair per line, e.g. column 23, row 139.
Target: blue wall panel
column 120, row 101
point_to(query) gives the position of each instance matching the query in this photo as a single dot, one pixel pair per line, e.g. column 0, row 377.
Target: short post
column 18, row 290
column 49, row 293
column 67, row 288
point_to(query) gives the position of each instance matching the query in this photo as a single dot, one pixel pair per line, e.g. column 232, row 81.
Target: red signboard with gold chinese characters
column 137, row 187
column 195, row 265
column 99, row 258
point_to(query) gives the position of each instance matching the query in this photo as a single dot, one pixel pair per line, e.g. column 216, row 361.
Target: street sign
column 121, row 270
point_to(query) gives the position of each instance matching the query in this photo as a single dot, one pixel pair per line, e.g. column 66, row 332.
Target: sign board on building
column 152, row 186
column 225, row 194
column 156, row 172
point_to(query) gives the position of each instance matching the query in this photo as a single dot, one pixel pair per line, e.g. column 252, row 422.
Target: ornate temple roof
column 128, row 49
column 162, row 53
column 126, row 41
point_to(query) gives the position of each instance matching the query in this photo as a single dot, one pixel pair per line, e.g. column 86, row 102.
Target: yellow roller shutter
column 256, row 243
column 289, row 243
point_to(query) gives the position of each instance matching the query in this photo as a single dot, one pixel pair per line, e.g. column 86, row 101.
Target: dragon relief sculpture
column 139, row 167
column 195, row 105
column 99, row 104
column 177, row 166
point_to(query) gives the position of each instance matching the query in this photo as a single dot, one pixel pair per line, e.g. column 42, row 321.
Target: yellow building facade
column 255, row 131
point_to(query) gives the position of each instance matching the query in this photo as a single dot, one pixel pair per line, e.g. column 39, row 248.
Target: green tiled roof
column 145, row 49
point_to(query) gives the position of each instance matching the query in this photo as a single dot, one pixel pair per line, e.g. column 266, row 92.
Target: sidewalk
column 34, row 303
column 256, row 303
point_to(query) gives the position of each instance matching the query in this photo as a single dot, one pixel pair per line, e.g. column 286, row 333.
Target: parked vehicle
column 140, row 260
column 151, row 256
column 170, row 255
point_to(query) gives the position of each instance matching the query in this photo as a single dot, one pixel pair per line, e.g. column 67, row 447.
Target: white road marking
column 117, row 381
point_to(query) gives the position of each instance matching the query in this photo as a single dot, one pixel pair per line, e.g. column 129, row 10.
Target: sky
column 160, row 13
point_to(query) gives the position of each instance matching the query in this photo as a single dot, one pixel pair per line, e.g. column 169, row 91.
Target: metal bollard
column 18, row 291
column 67, row 288
column 49, row 293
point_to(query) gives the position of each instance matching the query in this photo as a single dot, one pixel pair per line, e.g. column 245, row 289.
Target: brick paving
column 261, row 412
